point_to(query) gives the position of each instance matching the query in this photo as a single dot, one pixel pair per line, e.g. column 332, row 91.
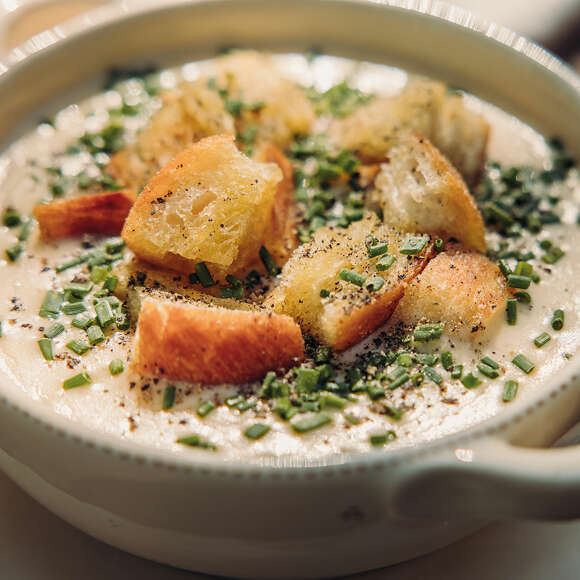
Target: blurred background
column 36, row 545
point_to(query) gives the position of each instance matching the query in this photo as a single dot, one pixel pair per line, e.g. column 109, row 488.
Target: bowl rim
column 48, row 419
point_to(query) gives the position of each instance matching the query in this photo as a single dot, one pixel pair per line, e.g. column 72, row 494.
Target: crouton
column 460, row 288
column 345, row 313
column 213, row 345
column 422, row 107
column 280, row 237
column 210, row 204
column 419, row 190
column 270, row 104
column 188, row 113
column 99, row 213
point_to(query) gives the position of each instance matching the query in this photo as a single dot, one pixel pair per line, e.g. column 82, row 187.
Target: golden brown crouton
column 213, row 345
column 98, row 213
column 188, row 113
column 349, row 312
column 422, row 107
column 460, row 288
column 210, row 204
column 419, row 190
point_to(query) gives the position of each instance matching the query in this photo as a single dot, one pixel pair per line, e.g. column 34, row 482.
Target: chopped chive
column 13, row 252
column 283, row 407
column 352, row 277
column 414, row 245
column 116, row 367
column 105, row 316
column 523, row 297
column 268, row 262
column 234, row 401
column 510, row 391
column 205, row 408
column 50, row 307
column 314, row 421
column 426, row 332
column 113, row 301
column 456, row 371
column 80, row 380
column 204, row 275
column 53, row 330
column 542, row 339
column 511, row 311
column 78, row 346
column 438, row 245
column 375, row 392
column 99, row 274
column 524, row 269
column 381, row 439
column 504, row 268
column 0, row 329
column 515, row 281
column 45, row 345
column 374, row 284
column 433, row 375
column 487, row 370
column 72, row 308
column 197, row 441
column 498, row 214
column 330, row 400
column 398, row 381
column 427, row 359
column 394, row 413
column 553, row 255
column 83, row 320
column 352, row 419
column 78, row 290
column 122, row 321
column 470, row 381
column 490, row 362
column 523, row 363
column 377, row 249
column 111, row 283
column 70, row 263
column 384, row 262
column 447, row 360
column 306, row 379
column 169, row 398
column 324, row 293
column 95, row 335
column 404, row 359
column 25, row 230
column 557, row 322
column 11, row 218
column 114, row 245
column 236, row 292
column 256, row 431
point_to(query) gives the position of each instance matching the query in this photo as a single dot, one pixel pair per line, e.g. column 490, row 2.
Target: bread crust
column 213, row 345
column 98, row 213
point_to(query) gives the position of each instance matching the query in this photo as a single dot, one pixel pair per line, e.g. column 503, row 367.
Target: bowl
column 296, row 518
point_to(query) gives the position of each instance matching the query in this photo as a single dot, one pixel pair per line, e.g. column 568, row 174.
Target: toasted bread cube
column 253, row 79
column 348, row 313
column 98, row 213
column 460, row 288
column 188, row 113
column 210, row 204
column 419, row 190
column 422, row 107
column 213, row 345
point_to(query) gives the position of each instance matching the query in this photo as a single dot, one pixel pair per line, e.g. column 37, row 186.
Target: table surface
column 36, row 545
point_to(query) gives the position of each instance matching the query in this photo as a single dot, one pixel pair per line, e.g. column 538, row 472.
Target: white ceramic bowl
column 299, row 518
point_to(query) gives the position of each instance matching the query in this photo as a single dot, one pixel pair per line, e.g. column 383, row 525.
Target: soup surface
column 357, row 404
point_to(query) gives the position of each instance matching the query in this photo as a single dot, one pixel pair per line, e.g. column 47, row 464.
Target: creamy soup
column 66, row 157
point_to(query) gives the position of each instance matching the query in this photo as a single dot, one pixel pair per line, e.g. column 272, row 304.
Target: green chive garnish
column 204, row 275
column 50, row 307
column 510, row 391
column 105, row 316
column 487, row 370
column 384, row 262
column 53, row 330
column 73, row 308
column 310, row 423
column 515, row 281
column 330, row 400
column 25, row 230
column 490, row 362
column 114, row 245
column 352, row 277
column 438, row 245
column 557, row 322
column 401, row 379
column 504, row 268
column 306, row 379
column 447, row 360
column 375, row 392
column 205, row 408
column 116, row 367
column 197, row 441
column 523, row 297
column 404, row 359
column 324, row 293
column 553, row 255
column 13, row 252
column 95, row 335
column 511, row 311
column 80, row 380
column 524, row 269
column 542, row 339
column 414, row 245
column 169, row 398
column 470, row 381
column 78, row 290
column 45, row 345
column 374, row 284
column 78, row 346
column 456, row 371
column 433, row 375
column 99, row 274
column 111, row 283
column 83, row 320
column 427, row 359
column 377, row 249
column 123, row 322
column 11, row 218
column 381, row 439
column 268, row 262
column 425, row 332
column 523, row 363
column 394, row 413
column 256, row 431
column 71, row 264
